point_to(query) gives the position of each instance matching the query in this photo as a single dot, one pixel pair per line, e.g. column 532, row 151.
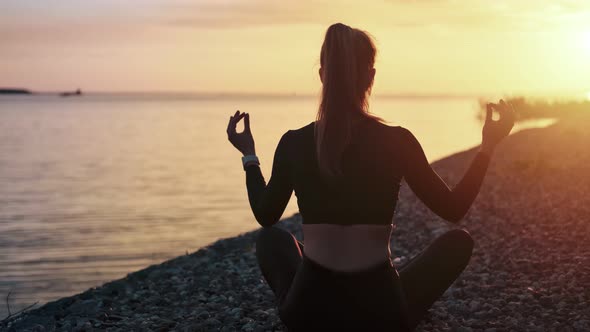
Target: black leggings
column 311, row 297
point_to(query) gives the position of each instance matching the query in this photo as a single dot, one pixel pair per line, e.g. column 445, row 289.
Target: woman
column 346, row 168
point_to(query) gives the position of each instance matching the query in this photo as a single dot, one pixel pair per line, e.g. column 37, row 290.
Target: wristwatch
column 250, row 159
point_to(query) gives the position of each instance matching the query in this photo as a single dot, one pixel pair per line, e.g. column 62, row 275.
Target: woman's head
column 347, row 59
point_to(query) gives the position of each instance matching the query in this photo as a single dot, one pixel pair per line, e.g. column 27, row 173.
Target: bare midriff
column 347, row 248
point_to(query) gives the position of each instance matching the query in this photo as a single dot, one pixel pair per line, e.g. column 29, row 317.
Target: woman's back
column 367, row 191
column 347, row 223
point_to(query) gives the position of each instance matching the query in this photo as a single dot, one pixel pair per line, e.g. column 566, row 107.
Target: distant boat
column 78, row 92
column 14, row 91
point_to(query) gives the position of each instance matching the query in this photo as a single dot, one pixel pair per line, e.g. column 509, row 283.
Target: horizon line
column 254, row 94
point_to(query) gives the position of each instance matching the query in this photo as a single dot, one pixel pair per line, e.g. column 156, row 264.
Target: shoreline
column 529, row 270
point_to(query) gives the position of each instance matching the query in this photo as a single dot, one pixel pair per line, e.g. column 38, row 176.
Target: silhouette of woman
column 346, row 168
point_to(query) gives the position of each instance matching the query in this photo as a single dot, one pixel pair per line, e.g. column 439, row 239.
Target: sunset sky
column 425, row 47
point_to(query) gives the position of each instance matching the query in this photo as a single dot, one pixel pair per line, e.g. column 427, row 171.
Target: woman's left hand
column 243, row 141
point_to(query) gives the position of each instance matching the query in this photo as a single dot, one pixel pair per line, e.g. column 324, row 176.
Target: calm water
column 95, row 187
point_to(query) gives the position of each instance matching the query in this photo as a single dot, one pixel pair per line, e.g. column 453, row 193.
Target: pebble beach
column 530, row 269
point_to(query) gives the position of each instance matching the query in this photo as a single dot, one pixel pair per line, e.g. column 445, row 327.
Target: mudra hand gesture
column 243, row 141
column 494, row 131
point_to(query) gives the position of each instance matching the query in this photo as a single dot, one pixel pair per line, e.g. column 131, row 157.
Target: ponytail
column 346, row 58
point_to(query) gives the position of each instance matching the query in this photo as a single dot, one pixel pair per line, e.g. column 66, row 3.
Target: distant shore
column 21, row 91
column 530, row 269
column 14, row 91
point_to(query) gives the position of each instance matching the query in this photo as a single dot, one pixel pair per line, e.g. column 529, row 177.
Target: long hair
column 346, row 58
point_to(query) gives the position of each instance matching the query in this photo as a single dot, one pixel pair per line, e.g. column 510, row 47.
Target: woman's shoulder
column 388, row 129
column 399, row 138
column 295, row 136
column 398, row 131
column 309, row 128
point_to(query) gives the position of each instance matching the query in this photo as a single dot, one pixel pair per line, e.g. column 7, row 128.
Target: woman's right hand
column 494, row 131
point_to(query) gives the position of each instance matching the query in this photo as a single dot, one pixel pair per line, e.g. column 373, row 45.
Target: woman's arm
column 268, row 202
column 453, row 204
column 450, row 204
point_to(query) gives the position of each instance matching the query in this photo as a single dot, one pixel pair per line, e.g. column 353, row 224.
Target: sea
column 96, row 186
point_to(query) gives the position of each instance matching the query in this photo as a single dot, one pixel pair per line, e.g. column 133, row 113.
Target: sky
column 425, row 47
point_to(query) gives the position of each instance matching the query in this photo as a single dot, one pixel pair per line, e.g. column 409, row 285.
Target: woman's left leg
column 279, row 254
column 428, row 275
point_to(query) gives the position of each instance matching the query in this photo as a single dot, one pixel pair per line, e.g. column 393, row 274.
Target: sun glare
column 588, row 95
column 586, row 40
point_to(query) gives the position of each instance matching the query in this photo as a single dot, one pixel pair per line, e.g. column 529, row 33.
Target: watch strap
column 250, row 159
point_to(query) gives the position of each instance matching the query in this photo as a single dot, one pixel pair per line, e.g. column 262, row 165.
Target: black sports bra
column 374, row 164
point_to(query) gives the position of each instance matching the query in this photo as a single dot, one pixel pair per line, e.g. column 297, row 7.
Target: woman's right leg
column 279, row 254
column 428, row 275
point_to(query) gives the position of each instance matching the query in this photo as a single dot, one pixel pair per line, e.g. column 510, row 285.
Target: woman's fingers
column 231, row 126
column 240, row 117
column 489, row 111
column 505, row 113
column 233, row 121
column 502, row 109
column 247, row 122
